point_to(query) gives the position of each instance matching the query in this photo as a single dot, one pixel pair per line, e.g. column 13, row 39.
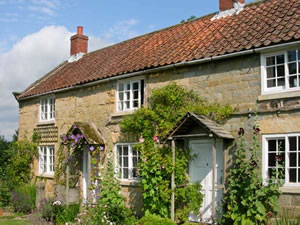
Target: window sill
column 46, row 123
column 48, row 176
column 287, row 189
column 290, row 94
column 131, row 183
column 121, row 114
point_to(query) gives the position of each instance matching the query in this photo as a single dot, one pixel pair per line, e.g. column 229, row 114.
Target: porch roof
column 188, row 121
column 90, row 132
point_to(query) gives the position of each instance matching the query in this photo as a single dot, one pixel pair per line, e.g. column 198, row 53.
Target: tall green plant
column 248, row 200
column 167, row 106
column 110, row 208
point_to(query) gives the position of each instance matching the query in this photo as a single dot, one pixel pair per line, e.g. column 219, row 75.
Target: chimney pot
column 228, row 4
column 80, row 30
column 79, row 42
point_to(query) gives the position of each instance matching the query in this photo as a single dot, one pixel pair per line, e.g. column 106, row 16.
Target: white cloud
column 122, row 30
column 40, row 9
column 28, row 60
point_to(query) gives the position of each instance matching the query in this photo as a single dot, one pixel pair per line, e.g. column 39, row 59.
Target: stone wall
column 235, row 81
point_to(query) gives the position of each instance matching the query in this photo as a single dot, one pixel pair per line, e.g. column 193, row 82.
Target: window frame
column 49, row 106
column 130, row 162
column 265, row 139
column 141, row 99
column 49, row 156
column 281, row 89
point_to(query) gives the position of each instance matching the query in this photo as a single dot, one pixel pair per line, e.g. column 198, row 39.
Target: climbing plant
column 70, row 153
column 167, row 106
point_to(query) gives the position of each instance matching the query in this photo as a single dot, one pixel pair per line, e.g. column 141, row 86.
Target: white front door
column 200, row 170
column 85, row 174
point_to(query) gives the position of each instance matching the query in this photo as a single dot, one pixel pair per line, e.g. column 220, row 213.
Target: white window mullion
column 287, row 160
column 286, row 68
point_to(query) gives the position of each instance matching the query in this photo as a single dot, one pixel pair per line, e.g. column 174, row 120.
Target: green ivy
column 167, row 106
column 248, row 200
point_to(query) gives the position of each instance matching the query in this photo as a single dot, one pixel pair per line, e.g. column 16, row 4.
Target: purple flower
column 73, row 145
column 254, row 164
column 92, row 148
column 73, row 136
column 101, row 147
column 65, row 138
column 74, row 127
column 278, row 158
column 256, row 130
column 241, row 132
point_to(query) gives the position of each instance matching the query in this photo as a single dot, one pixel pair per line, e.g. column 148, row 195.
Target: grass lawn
column 10, row 220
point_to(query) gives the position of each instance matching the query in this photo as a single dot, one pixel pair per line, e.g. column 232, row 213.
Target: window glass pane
column 292, row 68
column 298, row 175
column 271, row 83
column 120, row 161
column 135, row 86
column 271, row 72
column 281, row 145
column 293, row 159
column 280, row 71
column 125, row 175
column 135, row 95
column 272, row 145
column 128, row 86
column 272, row 159
column 135, row 104
column 280, row 59
column 292, row 143
column 298, row 67
column 270, row 60
column 134, row 152
column 291, row 55
column 121, row 87
column 293, row 81
column 121, row 106
column 121, row 96
column 134, row 173
column 281, row 82
column 292, row 173
column 271, row 172
column 298, row 54
column 125, row 150
column 134, row 161
column 127, row 105
column 127, row 95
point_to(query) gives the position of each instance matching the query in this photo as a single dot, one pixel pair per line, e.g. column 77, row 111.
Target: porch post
column 214, row 153
column 67, row 184
column 173, row 182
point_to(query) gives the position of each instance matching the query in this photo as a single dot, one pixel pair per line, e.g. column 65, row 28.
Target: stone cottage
column 246, row 55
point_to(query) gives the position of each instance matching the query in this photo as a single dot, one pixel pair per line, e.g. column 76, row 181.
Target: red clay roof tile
column 259, row 24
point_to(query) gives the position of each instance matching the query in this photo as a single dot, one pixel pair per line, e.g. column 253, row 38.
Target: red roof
column 260, row 24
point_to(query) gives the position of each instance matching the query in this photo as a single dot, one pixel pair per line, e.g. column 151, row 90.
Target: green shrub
column 155, row 220
column 67, row 214
column 5, row 194
column 46, row 209
column 23, row 198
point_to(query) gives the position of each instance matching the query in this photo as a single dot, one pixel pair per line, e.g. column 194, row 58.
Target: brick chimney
column 228, row 4
column 79, row 42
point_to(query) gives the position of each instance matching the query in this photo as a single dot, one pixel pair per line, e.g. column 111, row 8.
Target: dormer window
column 47, row 109
column 281, row 72
column 130, row 95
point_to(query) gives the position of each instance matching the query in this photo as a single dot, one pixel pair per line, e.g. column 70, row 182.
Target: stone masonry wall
column 235, row 81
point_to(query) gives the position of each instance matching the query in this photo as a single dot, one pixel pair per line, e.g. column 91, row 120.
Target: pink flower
column 155, row 138
column 141, row 140
column 278, row 158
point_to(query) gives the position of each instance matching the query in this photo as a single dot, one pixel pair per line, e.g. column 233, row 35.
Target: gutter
column 163, row 68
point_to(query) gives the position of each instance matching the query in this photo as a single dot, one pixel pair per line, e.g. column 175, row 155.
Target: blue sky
column 35, row 34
